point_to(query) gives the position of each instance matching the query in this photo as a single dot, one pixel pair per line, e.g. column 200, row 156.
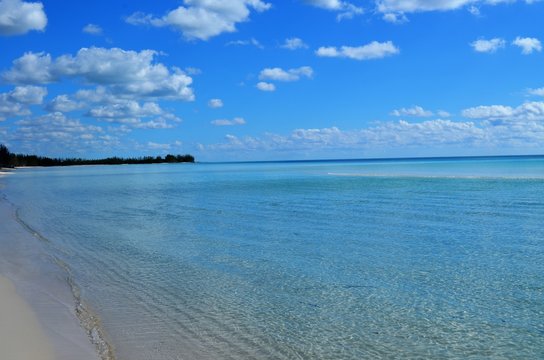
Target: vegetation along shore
column 10, row 160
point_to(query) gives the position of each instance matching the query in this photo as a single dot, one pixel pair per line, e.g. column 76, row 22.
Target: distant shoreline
column 385, row 159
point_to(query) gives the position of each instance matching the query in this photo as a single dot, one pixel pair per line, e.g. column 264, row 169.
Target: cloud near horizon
column 389, row 136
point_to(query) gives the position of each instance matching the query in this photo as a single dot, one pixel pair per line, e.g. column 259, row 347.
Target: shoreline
column 32, row 280
column 21, row 335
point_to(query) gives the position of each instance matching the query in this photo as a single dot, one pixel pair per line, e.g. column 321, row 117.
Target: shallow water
column 350, row 260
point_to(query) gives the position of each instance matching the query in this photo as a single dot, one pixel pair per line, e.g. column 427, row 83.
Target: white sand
column 37, row 307
column 21, row 336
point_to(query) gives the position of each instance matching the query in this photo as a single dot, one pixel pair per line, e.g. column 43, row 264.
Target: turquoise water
column 319, row 260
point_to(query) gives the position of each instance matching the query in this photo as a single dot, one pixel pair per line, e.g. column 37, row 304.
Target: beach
column 37, row 310
column 21, row 336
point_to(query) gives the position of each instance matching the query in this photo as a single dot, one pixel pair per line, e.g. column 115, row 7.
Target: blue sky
column 262, row 80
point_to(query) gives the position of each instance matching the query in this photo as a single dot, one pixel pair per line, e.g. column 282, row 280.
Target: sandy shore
column 21, row 335
column 37, row 308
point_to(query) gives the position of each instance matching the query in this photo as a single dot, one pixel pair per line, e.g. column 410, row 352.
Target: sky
column 272, row 80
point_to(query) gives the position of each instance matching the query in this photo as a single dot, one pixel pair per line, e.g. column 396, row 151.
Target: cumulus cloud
column 92, row 29
column 278, row 74
column 215, row 103
column 528, row 45
column 488, row 46
column 203, row 19
column 127, row 109
column 19, row 17
column 537, row 92
column 226, row 122
column 389, row 136
column 55, row 132
column 63, row 103
column 17, row 102
column 373, row 50
column 127, row 73
column 416, row 111
column 132, row 114
column 294, row 44
column 529, row 111
column 345, row 10
column 31, row 68
column 265, row 86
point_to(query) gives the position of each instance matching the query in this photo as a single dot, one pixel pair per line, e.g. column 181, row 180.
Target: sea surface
column 421, row 258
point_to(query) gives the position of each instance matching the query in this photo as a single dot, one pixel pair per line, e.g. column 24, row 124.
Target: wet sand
column 37, row 309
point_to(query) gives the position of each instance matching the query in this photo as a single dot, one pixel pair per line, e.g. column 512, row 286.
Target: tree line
column 10, row 160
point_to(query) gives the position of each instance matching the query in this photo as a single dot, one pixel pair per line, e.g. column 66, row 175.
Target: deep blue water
column 343, row 260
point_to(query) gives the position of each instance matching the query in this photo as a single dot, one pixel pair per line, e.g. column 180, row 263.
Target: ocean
column 418, row 258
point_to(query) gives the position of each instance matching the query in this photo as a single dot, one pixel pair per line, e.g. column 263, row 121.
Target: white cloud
column 412, row 6
column 63, row 103
column 19, row 17
column 388, row 136
column 294, row 44
column 265, row 86
column 203, row 19
column 488, row 112
column 17, row 102
column 127, row 109
column 126, row 73
column 92, row 29
column 250, row 42
column 215, row 103
column 395, row 18
column 416, row 111
column 528, row 45
column 28, row 95
column 132, row 114
column 278, row 74
column 537, row 92
column 394, row 10
column 97, row 95
column 326, row 4
column 31, row 68
column 529, row 111
column 345, row 9
column 374, row 50
column 474, row 10
column 443, row 114
column 226, row 122
column 488, row 46
column 56, row 133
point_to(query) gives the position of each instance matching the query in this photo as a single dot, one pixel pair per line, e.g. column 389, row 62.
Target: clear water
column 323, row 260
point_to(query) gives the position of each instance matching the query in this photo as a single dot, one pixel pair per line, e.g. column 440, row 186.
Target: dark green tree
column 4, row 156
